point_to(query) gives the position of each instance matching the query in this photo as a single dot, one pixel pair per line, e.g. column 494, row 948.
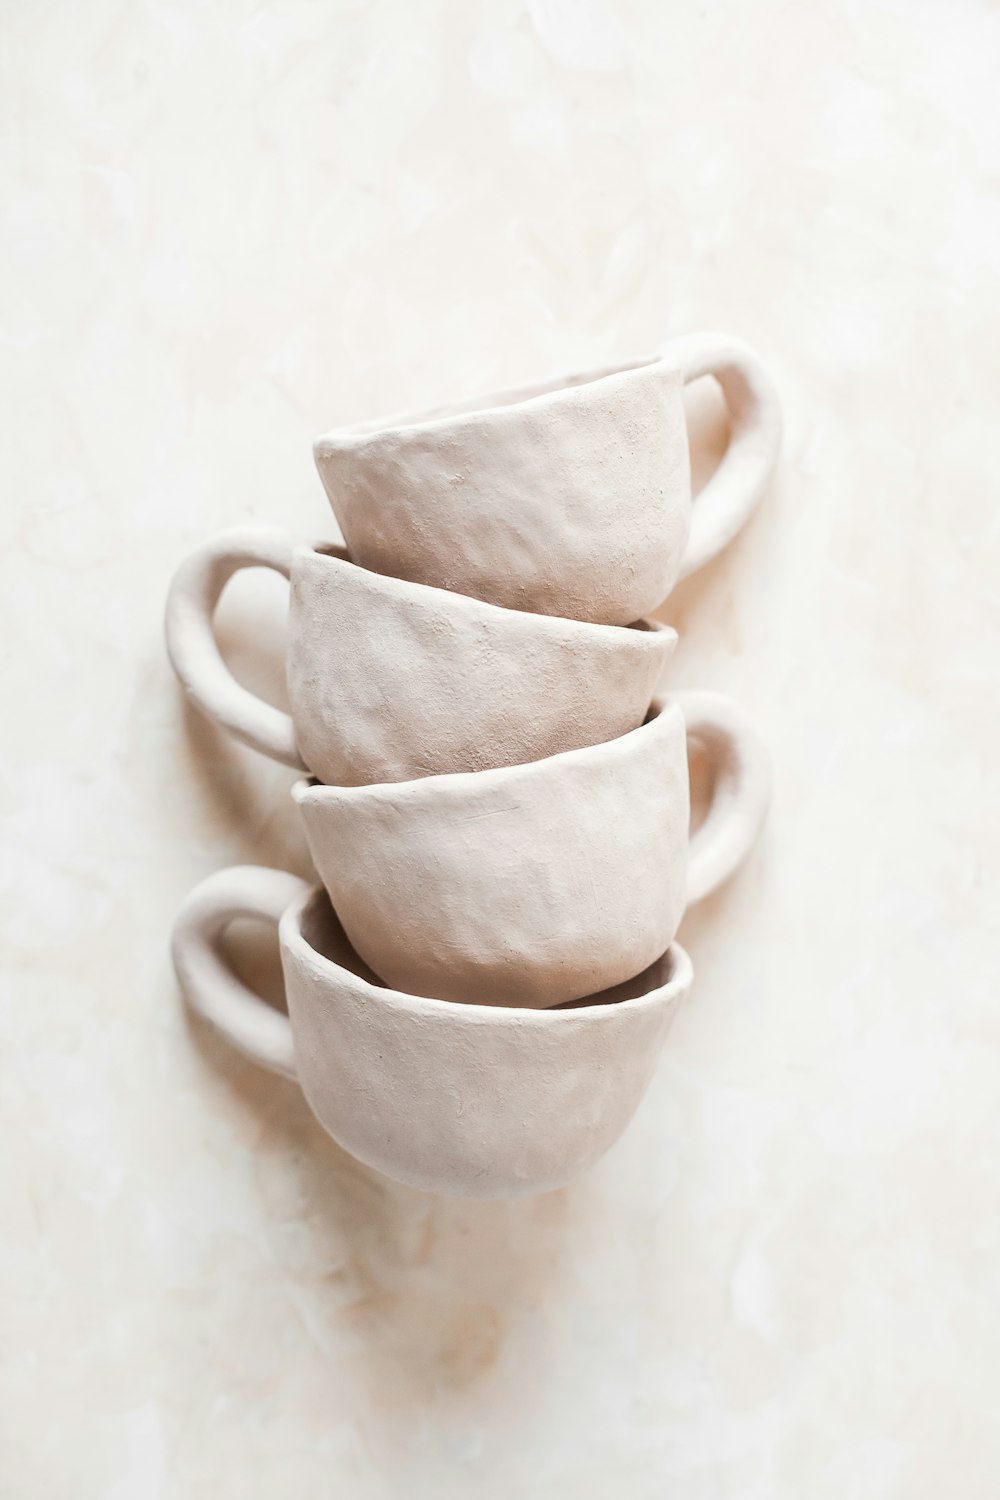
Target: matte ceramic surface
column 389, row 681
column 536, row 884
column 455, row 1099
column 569, row 498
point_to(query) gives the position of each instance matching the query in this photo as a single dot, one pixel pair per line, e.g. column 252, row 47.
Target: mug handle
column 210, row 987
column 734, row 491
column 193, row 650
column 740, row 796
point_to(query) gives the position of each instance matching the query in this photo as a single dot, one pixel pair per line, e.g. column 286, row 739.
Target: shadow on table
column 423, row 1291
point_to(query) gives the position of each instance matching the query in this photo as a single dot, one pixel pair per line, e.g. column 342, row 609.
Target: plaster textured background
column 226, row 228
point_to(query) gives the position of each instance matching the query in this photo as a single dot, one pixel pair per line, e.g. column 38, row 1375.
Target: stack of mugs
column 495, row 794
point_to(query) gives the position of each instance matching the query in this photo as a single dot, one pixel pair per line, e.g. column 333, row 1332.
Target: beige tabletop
column 228, row 227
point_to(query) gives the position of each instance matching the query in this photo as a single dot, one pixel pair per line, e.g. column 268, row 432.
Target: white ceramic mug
column 569, row 498
column 390, row 681
column 535, row 884
column 457, row 1099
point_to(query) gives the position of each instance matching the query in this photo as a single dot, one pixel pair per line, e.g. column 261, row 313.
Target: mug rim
column 532, row 397
column 662, row 710
column 644, row 629
column 292, row 939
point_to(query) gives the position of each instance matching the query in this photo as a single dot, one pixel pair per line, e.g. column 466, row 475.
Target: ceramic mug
column 567, row 498
column 390, row 681
column 457, row 1099
column 533, row 885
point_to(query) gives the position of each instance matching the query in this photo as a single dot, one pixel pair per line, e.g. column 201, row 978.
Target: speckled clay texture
column 390, row 681
column 568, row 498
column 536, row 884
column 457, row 1099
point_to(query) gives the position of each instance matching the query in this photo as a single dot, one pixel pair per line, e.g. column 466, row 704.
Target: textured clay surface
column 575, row 502
column 392, row 681
column 537, row 884
column 569, row 498
column 463, row 1100
column 530, row 885
column 481, row 1101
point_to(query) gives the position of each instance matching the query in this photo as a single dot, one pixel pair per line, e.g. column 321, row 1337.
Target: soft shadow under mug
column 389, row 680
column 571, row 497
column 533, row 885
column 459, row 1099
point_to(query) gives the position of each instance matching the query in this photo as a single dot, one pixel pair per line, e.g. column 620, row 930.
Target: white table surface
column 229, row 226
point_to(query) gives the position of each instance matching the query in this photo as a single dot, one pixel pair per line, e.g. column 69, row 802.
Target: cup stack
column 495, row 790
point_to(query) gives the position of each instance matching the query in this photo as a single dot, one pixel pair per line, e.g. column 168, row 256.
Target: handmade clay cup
column 390, row 681
column 569, row 498
column 535, row 884
column 455, row 1099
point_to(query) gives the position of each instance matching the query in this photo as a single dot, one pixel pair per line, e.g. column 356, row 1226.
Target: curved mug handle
column 210, row 987
column 740, row 796
column 193, row 650
column 734, row 491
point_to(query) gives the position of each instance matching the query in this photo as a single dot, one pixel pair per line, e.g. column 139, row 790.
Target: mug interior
column 320, row 929
column 494, row 401
column 338, row 551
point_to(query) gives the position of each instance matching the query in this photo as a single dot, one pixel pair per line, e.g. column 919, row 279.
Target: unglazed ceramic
column 568, row 498
column 536, row 884
column 391, row 681
column 458, row 1099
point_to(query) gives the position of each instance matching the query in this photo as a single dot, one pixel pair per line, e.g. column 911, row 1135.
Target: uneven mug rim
column 662, row 710
column 532, row 397
column 292, row 939
column 645, row 629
